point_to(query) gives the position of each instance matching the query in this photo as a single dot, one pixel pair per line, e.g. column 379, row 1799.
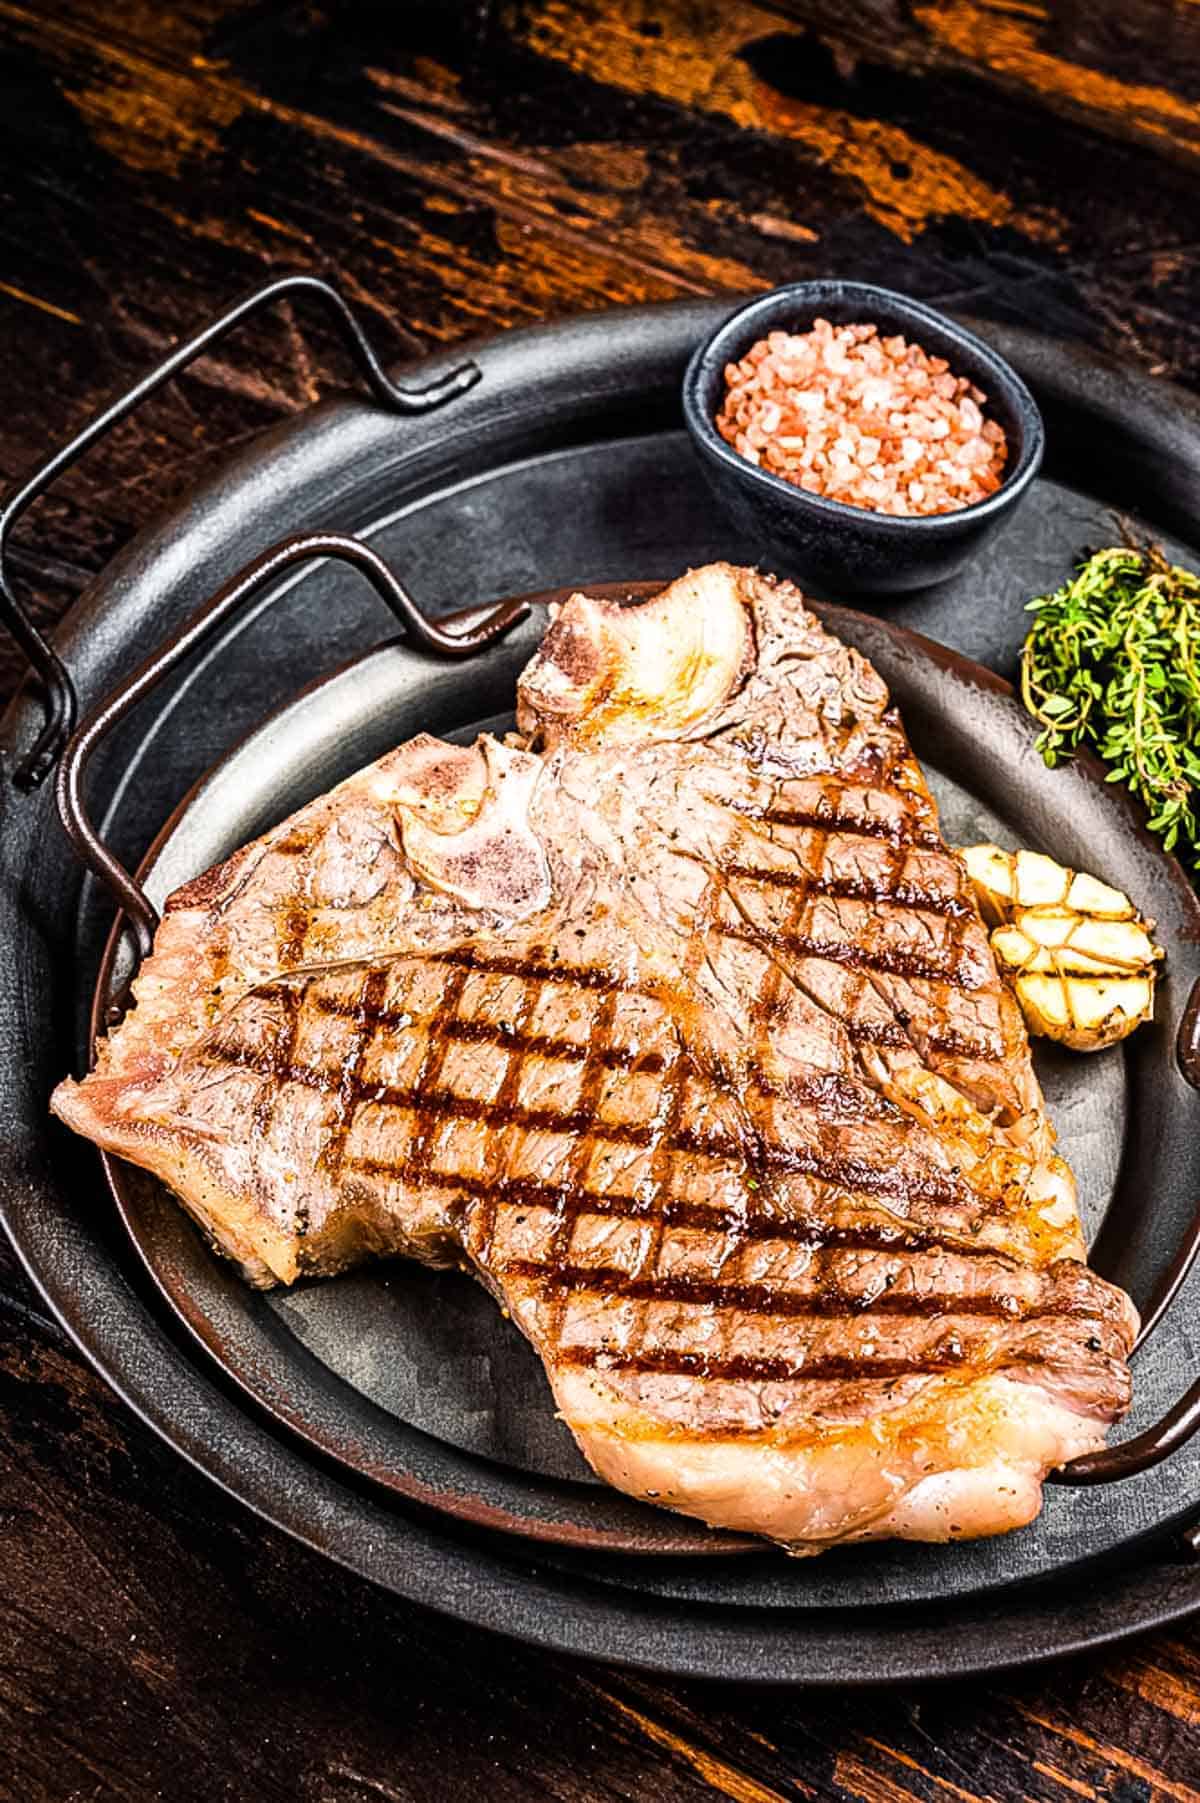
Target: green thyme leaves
column 1112, row 660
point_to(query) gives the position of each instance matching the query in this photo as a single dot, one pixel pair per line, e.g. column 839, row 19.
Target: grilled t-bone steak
column 675, row 1023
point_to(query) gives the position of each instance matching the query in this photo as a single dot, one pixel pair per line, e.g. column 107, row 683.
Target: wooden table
column 462, row 168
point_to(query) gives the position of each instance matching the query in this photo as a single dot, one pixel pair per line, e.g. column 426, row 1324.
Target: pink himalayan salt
column 872, row 422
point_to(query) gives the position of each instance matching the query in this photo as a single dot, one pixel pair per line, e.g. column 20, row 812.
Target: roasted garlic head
column 1079, row 956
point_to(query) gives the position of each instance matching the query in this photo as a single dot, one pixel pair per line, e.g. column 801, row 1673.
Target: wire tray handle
column 265, row 569
column 60, row 702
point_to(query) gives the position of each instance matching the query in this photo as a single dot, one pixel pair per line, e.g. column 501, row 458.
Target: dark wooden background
column 463, row 167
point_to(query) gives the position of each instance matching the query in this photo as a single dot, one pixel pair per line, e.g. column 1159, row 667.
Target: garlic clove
column 1078, row 954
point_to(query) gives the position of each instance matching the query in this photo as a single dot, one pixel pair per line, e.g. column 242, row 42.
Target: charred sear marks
column 868, row 1211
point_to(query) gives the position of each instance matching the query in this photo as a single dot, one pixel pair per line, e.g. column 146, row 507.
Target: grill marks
column 481, row 1225
column 946, row 1042
column 890, row 961
column 434, row 1105
column 293, row 933
column 365, row 1015
column 896, row 894
column 849, row 1175
column 275, row 1062
column 891, row 890
column 740, row 1368
column 769, row 996
column 549, row 970
column 672, row 1096
column 558, row 1277
column 863, row 981
column 588, row 977
column 827, row 1301
column 436, row 1047
column 679, row 1211
column 865, row 952
column 828, row 820
column 278, row 1066
column 281, row 1054
column 569, row 1205
column 556, row 1273
column 507, row 1038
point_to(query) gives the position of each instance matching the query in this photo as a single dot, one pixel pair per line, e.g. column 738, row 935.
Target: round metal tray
column 566, row 465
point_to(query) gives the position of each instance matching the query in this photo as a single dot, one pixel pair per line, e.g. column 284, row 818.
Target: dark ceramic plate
column 567, row 464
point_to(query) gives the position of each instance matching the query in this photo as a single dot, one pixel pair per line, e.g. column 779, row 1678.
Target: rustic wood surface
column 463, row 167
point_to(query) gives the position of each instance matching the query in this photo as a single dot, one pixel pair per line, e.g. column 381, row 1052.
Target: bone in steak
column 677, row 1026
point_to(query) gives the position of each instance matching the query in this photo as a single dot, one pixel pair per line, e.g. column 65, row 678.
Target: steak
column 672, row 1020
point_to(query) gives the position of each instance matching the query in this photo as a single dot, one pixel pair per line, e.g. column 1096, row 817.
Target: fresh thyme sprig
column 1112, row 660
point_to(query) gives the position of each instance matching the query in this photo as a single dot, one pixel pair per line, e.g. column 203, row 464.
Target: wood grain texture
column 463, row 167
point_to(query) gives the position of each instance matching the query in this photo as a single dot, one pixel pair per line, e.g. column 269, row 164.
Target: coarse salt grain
column 872, row 422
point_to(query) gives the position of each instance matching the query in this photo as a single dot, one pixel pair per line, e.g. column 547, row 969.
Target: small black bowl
column 850, row 550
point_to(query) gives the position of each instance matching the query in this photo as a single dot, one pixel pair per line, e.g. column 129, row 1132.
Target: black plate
column 566, row 465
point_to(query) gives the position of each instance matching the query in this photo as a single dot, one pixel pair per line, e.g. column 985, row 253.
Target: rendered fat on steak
column 674, row 1023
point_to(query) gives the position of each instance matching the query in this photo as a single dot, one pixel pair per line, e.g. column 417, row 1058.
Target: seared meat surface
column 677, row 1025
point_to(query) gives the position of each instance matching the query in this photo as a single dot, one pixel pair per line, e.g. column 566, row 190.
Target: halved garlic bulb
column 1079, row 956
